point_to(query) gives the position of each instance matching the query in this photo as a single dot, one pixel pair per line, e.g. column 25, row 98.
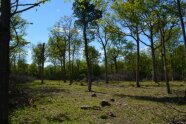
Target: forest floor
column 56, row 102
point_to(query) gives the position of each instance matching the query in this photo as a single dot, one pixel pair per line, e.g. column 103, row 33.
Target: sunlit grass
column 57, row 102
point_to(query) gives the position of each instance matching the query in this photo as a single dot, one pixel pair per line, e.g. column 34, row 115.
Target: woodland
column 110, row 62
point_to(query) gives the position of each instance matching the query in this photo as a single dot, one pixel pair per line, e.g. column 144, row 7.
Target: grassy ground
column 56, row 102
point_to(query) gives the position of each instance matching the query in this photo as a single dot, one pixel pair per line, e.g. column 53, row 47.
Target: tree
column 4, row 59
column 87, row 15
column 71, row 35
column 103, row 36
column 180, row 13
column 76, row 46
column 57, row 47
column 166, row 25
column 149, row 30
column 127, row 13
column 33, row 70
column 8, row 9
column 17, row 43
column 113, row 54
column 42, row 62
column 39, row 57
column 94, row 58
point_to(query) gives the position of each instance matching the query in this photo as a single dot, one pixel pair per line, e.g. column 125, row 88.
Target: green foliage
column 33, row 70
column 37, row 54
column 86, row 12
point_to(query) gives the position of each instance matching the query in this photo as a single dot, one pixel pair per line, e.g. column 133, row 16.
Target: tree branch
column 25, row 9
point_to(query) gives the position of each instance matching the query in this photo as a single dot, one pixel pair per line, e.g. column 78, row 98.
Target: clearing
column 56, row 102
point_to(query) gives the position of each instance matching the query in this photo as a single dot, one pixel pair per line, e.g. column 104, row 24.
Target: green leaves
column 86, row 12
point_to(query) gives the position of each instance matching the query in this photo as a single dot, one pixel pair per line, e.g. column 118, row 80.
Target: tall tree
column 166, row 23
column 127, row 13
column 76, row 45
column 8, row 9
column 42, row 62
column 58, row 45
column 87, row 14
column 66, row 24
column 4, row 58
column 39, row 57
column 103, row 36
column 180, row 11
column 148, row 26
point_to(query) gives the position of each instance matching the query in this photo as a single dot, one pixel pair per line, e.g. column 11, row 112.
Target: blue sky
column 43, row 18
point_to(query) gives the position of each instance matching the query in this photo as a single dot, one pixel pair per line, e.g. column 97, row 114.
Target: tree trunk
column 137, row 61
column 116, row 65
column 172, row 65
column 64, row 69
column 78, row 69
column 89, row 76
column 165, row 63
column 162, row 70
column 4, row 59
column 106, row 65
column 69, row 59
column 61, row 66
column 182, row 24
column 72, row 67
column 42, row 64
column 154, row 74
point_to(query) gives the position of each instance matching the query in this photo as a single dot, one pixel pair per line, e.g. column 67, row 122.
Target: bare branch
column 25, row 9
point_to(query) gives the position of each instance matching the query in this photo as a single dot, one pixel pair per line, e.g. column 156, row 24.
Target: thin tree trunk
column 154, row 74
column 64, row 69
column 73, row 54
column 42, row 64
column 116, row 65
column 172, row 66
column 4, row 59
column 78, row 68
column 89, row 76
column 14, row 66
column 165, row 63
column 162, row 70
column 106, row 66
column 137, row 61
column 61, row 66
column 182, row 24
column 70, row 66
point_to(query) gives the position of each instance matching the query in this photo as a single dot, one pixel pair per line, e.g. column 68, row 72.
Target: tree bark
column 42, row 63
column 182, row 24
column 106, row 65
column 154, row 74
column 69, row 59
column 64, row 69
column 73, row 54
column 165, row 63
column 116, row 65
column 4, row 59
column 137, row 61
column 162, row 69
column 89, row 76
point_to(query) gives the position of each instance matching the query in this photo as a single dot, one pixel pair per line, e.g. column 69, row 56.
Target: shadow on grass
column 99, row 92
column 175, row 100
column 28, row 96
column 48, row 90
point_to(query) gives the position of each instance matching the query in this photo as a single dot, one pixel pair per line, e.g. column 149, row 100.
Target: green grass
column 57, row 102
